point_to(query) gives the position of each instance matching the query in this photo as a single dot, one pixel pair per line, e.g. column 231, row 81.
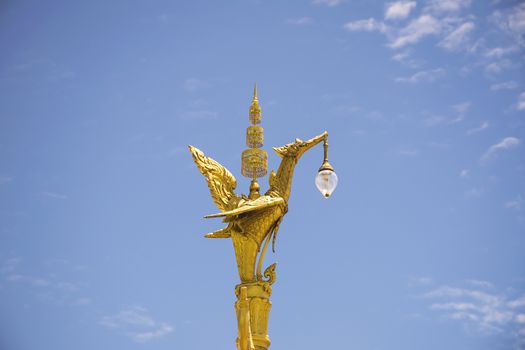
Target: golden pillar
column 253, row 221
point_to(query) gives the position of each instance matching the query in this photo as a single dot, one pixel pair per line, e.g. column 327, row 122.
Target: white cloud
column 512, row 21
column 455, row 306
column 399, row 9
column 194, row 84
column 366, row 25
column 515, row 204
column 478, row 310
column 46, row 287
column 330, row 3
column 405, row 58
column 53, row 195
column 136, row 323
column 447, row 291
column 521, row 102
column 5, row 179
column 516, row 19
column 461, row 110
column 10, row 265
column 499, row 52
column 508, row 85
column 479, row 283
column 420, row 281
column 465, row 173
column 456, row 39
column 498, row 67
column 301, row 21
column 443, row 6
column 505, row 144
column 161, row 331
column 423, row 76
column 474, row 193
column 401, row 56
column 408, row 152
column 453, row 30
column 517, row 303
column 417, row 29
column 484, row 125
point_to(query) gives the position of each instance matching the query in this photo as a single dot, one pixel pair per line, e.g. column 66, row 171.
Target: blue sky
column 420, row 247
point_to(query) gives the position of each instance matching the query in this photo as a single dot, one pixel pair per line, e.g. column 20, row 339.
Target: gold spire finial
column 254, row 159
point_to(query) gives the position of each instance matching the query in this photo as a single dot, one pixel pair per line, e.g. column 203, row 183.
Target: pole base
column 253, row 310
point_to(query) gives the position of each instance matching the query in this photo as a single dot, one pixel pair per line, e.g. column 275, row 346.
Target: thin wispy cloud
column 53, row 195
column 330, row 3
column 366, row 25
column 423, row 76
column 5, row 179
column 521, row 102
column 446, row 6
column 457, row 39
column 45, row 286
column 484, row 125
column 506, row 144
column 10, row 265
column 479, row 308
column 407, row 152
column 301, row 21
column 401, row 56
column 494, row 68
column 515, row 204
column 416, row 30
column 462, row 108
column 438, row 19
column 52, row 71
column 455, row 30
column 479, row 283
column 499, row 52
column 420, row 281
column 464, row 174
column 136, row 323
column 474, row 193
column 194, row 84
column 508, row 85
column 399, row 9
column 512, row 22
column 405, row 57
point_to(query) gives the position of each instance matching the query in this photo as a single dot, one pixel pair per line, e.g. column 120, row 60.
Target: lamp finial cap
column 255, row 92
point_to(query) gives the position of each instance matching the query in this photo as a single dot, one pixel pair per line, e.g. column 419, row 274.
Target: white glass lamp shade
column 326, row 182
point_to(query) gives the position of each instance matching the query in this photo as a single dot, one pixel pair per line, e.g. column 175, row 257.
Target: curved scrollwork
column 270, row 274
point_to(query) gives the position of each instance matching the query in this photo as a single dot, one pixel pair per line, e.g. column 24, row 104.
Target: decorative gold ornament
column 253, row 221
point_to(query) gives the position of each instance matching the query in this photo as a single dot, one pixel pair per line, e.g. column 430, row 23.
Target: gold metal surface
column 326, row 165
column 254, row 160
column 254, row 136
column 251, row 223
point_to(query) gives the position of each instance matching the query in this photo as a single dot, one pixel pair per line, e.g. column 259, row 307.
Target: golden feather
column 220, row 181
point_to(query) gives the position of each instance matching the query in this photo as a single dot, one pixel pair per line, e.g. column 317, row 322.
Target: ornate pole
column 254, row 159
column 253, row 298
column 254, row 220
